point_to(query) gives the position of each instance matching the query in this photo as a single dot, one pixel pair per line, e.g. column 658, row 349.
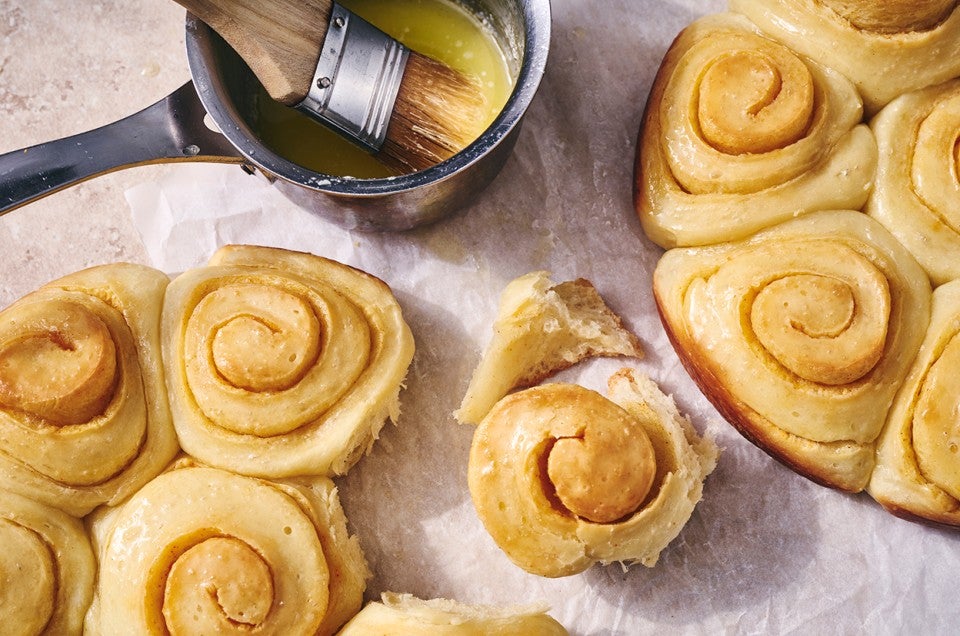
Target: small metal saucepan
column 173, row 129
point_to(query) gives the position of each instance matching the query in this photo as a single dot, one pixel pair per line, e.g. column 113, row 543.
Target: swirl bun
column 918, row 464
column 563, row 477
column 47, row 568
column 83, row 413
column 823, row 314
column 918, row 190
column 200, row 550
column 282, row 363
column 886, row 48
column 406, row 615
column 740, row 133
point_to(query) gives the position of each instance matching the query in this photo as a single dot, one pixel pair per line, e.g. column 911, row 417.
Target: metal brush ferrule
column 357, row 78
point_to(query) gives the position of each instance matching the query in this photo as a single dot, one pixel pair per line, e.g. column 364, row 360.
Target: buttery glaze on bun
column 563, row 478
column 205, row 551
column 887, row 48
column 282, row 363
column 917, row 192
column 741, row 133
column 83, row 408
column 918, row 457
column 798, row 322
column 47, row 568
column 800, row 336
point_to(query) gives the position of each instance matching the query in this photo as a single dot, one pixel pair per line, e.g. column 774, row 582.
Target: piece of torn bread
column 406, row 615
column 542, row 327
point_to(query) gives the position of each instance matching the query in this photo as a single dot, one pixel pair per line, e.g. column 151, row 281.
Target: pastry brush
column 318, row 57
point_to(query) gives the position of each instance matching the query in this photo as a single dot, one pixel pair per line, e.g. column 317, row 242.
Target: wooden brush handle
column 279, row 39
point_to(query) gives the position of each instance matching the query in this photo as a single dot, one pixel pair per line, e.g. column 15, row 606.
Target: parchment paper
column 765, row 552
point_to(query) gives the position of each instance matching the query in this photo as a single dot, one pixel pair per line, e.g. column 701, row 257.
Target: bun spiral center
column 218, row 583
column 753, row 101
column 61, row 366
column 270, row 338
column 605, row 471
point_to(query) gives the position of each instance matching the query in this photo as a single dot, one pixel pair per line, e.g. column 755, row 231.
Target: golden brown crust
column 282, row 363
column 635, row 463
column 755, row 428
column 781, row 387
column 886, row 48
column 83, row 408
column 819, row 378
column 740, row 133
column 918, row 466
column 933, row 520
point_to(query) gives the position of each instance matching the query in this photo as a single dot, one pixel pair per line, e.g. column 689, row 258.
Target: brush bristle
column 439, row 112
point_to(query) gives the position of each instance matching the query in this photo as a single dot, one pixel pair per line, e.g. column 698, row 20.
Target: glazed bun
column 886, row 48
column 47, row 568
column 202, row 550
column 282, row 363
column 800, row 336
column 741, row 133
column 83, row 408
column 918, row 464
column 562, row 477
column 917, row 192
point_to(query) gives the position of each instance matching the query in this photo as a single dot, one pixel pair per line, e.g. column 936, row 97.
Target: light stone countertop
column 68, row 67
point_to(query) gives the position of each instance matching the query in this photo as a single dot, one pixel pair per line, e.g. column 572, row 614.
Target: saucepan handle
column 172, row 129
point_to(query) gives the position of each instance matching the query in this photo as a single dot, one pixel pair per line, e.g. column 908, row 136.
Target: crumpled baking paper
column 766, row 551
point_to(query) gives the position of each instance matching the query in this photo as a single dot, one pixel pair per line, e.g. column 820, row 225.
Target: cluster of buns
column 167, row 447
column 561, row 476
column 799, row 162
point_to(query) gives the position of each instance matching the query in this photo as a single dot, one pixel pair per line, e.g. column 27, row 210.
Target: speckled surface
column 67, row 67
